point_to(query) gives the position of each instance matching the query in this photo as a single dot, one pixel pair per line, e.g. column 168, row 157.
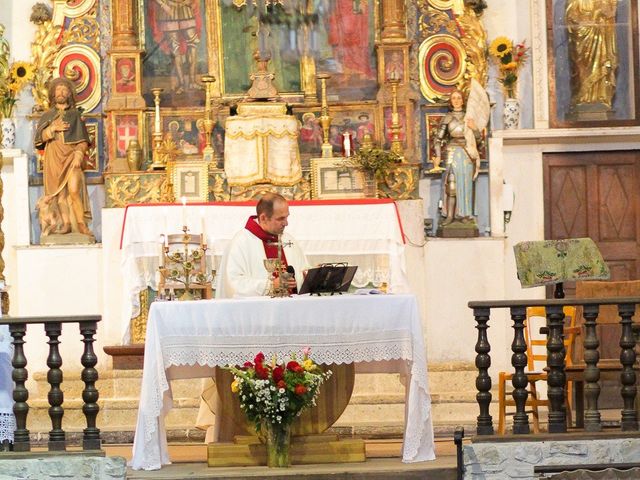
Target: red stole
column 269, row 241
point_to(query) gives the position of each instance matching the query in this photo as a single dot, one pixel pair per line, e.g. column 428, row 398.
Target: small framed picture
column 190, row 180
column 332, row 179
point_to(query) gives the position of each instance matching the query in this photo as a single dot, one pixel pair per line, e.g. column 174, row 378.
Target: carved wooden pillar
column 124, row 31
column 393, row 23
column 484, row 425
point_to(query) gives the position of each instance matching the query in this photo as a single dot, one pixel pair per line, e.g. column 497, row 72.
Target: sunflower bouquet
column 12, row 80
column 509, row 58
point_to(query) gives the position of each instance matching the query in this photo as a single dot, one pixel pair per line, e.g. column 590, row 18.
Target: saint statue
column 592, row 50
column 459, row 134
column 62, row 135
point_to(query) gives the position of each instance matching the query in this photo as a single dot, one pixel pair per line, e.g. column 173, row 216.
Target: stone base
column 72, row 238
column 457, row 229
column 45, row 466
column 496, row 458
column 591, row 112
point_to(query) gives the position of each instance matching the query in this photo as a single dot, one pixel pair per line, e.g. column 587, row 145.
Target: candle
column 157, row 118
column 184, row 210
column 162, row 250
column 202, row 225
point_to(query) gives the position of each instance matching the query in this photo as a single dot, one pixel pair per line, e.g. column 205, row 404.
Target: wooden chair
column 536, row 353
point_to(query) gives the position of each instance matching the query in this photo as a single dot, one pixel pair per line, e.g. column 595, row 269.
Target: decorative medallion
column 81, row 65
column 442, row 63
column 78, row 8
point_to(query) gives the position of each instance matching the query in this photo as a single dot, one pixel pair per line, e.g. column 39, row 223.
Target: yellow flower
column 508, row 66
column 308, row 364
column 500, row 47
column 235, row 386
column 22, row 71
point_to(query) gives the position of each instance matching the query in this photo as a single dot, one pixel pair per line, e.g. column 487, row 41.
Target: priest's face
column 278, row 221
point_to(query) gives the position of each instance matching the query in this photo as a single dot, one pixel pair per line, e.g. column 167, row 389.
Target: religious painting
column 190, row 180
column 126, row 129
column 311, row 136
column 593, row 63
column 393, row 65
column 125, row 75
column 356, row 120
column 402, row 120
column 344, row 47
column 176, row 46
column 186, row 129
column 332, row 179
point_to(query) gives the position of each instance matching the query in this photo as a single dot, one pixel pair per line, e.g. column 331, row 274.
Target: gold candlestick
column 396, row 144
column 325, row 119
column 208, row 153
column 157, row 163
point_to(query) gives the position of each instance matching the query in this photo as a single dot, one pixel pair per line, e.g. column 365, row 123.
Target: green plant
column 373, row 160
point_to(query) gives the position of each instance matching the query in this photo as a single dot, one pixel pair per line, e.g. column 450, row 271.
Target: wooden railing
column 53, row 329
column 556, row 378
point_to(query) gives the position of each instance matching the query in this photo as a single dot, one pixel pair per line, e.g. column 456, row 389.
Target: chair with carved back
column 536, row 362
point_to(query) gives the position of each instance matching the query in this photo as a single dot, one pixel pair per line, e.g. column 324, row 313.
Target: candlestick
column 156, row 98
column 325, row 119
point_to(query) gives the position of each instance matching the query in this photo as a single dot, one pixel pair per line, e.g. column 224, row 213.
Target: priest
column 242, row 271
column 242, row 274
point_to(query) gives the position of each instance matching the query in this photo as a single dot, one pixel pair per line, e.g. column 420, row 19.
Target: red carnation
column 278, row 373
column 300, row 390
column 259, row 358
column 293, row 366
column 261, row 372
column 282, row 384
column 248, row 365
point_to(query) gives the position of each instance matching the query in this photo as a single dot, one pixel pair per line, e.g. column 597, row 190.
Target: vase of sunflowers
column 509, row 58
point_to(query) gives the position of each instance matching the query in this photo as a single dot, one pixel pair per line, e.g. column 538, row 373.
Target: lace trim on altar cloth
column 7, row 426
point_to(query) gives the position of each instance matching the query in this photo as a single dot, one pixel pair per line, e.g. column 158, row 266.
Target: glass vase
column 278, row 438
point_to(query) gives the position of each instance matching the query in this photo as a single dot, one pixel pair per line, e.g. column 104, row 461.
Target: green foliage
column 373, row 160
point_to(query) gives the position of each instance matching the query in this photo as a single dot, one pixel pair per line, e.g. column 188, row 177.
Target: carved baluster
column 57, row 438
column 592, row 421
column 629, row 418
column 483, row 380
column 519, row 362
column 555, row 362
column 91, row 438
column 20, row 393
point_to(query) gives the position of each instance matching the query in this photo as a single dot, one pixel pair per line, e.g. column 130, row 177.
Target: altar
column 378, row 333
column 367, row 233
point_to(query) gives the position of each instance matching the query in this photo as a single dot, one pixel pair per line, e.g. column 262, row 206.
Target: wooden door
column 596, row 195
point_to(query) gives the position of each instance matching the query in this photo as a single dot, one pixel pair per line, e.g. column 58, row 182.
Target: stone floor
column 383, row 463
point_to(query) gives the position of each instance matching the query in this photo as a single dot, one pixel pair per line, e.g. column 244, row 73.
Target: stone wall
column 62, row 467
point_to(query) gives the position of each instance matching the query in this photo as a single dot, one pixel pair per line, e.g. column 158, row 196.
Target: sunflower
column 22, row 72
column 500, row 47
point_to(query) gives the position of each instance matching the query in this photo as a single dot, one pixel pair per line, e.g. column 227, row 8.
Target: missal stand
column 328, row 278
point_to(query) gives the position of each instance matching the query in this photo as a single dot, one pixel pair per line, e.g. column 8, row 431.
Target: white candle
column 202, row 225
column 184, row 211
column 162, row 250
column 158, row 118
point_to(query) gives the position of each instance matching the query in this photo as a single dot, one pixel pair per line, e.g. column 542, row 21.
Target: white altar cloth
column 365, row 232
column 188, row 339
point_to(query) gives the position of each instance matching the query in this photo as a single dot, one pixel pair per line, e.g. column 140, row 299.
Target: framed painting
column 393, row 65
column 357, row 120
column 331, row 179
column 125, row 75
column 190, row 180
column 593, row 63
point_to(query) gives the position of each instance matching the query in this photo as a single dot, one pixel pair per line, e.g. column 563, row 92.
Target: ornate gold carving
column 401, row 182
column 299, row 191
column 123, row 189
column 434, row 21
column 83, row 30
column 43, row 52
column 139, row 323
column 474, row 41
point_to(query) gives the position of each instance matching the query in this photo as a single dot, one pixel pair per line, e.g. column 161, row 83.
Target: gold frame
column 182, row 168
column 113, row 124
column 137, row 71
column 319, row 188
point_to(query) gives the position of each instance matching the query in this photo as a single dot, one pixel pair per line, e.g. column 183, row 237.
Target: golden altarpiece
column 158, row 88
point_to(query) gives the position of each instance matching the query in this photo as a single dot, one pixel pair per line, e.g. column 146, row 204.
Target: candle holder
column 325, row 119
column 157, row 160
column 208, row 153
column 186, row 266
column 396, row 144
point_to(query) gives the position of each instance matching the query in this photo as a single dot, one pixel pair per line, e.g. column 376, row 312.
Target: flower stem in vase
column 278, row 437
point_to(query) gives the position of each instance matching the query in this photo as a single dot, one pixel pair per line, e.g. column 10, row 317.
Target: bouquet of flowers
column 509, row 59
column 273, row 394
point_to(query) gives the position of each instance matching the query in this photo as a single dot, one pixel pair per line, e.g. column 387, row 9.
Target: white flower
column 281, row 390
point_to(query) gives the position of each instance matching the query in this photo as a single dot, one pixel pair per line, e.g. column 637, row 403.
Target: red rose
column 300, row 390
column 248, row 365
column 259, row 358
column 261, row 372
column 278, row 373
column 293, row 366
column 281, row 384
